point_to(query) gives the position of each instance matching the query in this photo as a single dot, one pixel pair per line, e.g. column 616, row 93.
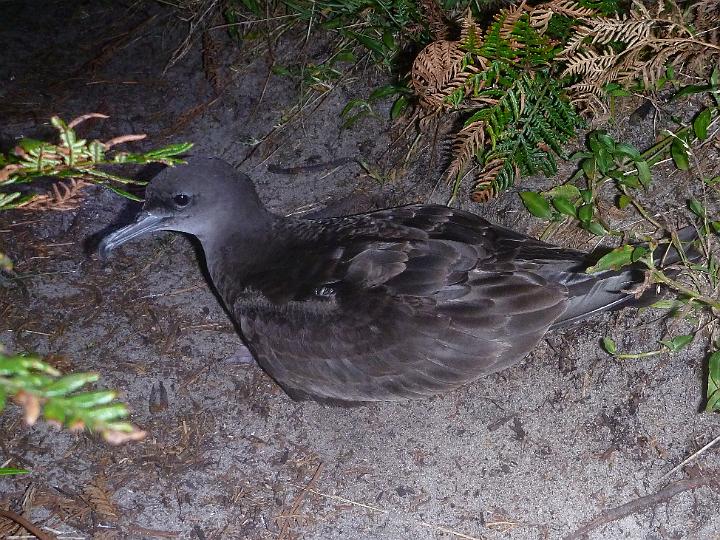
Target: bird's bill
column 144, row 223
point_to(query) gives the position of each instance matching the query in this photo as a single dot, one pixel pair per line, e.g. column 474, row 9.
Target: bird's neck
column 236, row 255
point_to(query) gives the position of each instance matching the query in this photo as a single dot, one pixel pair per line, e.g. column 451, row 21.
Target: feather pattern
column 401, row 303
column 416, row 301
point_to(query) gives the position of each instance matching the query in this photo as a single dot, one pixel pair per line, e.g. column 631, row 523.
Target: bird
column 394, row 304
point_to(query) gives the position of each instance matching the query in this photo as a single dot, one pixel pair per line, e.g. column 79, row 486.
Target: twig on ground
column 692, row 457
column 697, row 480
column 24, row 523
column 297, row 503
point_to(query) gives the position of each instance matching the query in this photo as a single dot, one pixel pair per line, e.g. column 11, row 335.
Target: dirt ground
column 566, row 437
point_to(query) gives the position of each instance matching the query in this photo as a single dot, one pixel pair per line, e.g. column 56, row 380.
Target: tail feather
column 592, row 294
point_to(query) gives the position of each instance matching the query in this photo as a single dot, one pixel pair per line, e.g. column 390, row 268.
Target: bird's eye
column 181, row 199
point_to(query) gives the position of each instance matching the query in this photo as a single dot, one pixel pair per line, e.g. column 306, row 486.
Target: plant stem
column 660, row 277
column 639, row 355
column 640, row 208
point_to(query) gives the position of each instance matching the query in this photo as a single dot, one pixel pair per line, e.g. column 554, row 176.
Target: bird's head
column 204, row 198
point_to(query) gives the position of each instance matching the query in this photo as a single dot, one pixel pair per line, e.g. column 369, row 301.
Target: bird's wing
column 378, row 316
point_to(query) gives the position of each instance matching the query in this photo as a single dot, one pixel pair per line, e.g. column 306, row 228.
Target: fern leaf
column 468, row 142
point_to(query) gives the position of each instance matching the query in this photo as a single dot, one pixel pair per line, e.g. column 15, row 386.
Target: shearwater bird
column 401, row 303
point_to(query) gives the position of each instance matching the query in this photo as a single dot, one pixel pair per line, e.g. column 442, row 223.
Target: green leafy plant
column 621, row 171
column 41, row 390
column 608, row 162
column 501, row 78
column 75, row 160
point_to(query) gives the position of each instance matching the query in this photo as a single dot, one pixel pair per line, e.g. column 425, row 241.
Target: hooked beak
column 144, row 223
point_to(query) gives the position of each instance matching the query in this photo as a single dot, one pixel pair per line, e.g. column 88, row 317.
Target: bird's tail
column 591, row 294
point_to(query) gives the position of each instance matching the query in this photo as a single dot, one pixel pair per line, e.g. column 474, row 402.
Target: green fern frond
column 528, row 128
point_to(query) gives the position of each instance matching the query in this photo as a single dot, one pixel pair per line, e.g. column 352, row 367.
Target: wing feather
column 423, row 299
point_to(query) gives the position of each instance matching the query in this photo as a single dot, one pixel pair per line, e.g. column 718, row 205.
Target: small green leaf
column 628, row 150
column 680, row 155
column 564, row 206
column 595, row 228
column 569, row 191
column 589, row 167
column 630, row 180
column 586, row 195
column 606, row 141
column 644, row 174
column 623, row 201
column 678, row 342
column 585, row 213
column 69, row 383
column 616, row 90
column 609, row 346
column 345, row 56
column 30, row 145
column 8, row 471
column 384, row 91
column 692, row 89
column 604, row 161
column 697, row 208
column 701, row 123
column 371, row 43
column 277, row 69
column 638, row 253
column 388, row 40
column 536, row 204
column 399, row 107
column 616, row 259
column 355, row 103
column 668, row 304
column 713, row 387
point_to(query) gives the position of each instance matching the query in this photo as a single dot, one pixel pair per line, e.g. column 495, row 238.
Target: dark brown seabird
column 400, row 303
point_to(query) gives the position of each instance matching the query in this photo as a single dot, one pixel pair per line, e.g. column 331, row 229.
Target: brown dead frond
column 651, row 42
column 100, row 499
column 63, row 196
column 509, row 19
column 468, row 142
column 210, row 55
column 437, row 23
column 484, row 187
column 434, row 67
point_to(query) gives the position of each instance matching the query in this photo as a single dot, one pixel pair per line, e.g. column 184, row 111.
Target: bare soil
column 537, row 451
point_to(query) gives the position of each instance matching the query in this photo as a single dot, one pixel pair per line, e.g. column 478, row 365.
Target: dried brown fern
column 434, row 67
column 541, row 14
column 63, row 196
column 483, row 187
column 651, row 42
column 470, row 32
column 468, row 142
column 509, row 18
column 100, row 499
column 210, row 53
column 437, row 23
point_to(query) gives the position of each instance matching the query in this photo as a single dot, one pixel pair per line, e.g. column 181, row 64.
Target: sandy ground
column 536, row 451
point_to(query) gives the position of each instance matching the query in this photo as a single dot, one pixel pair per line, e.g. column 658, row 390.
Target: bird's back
column 401, row 303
